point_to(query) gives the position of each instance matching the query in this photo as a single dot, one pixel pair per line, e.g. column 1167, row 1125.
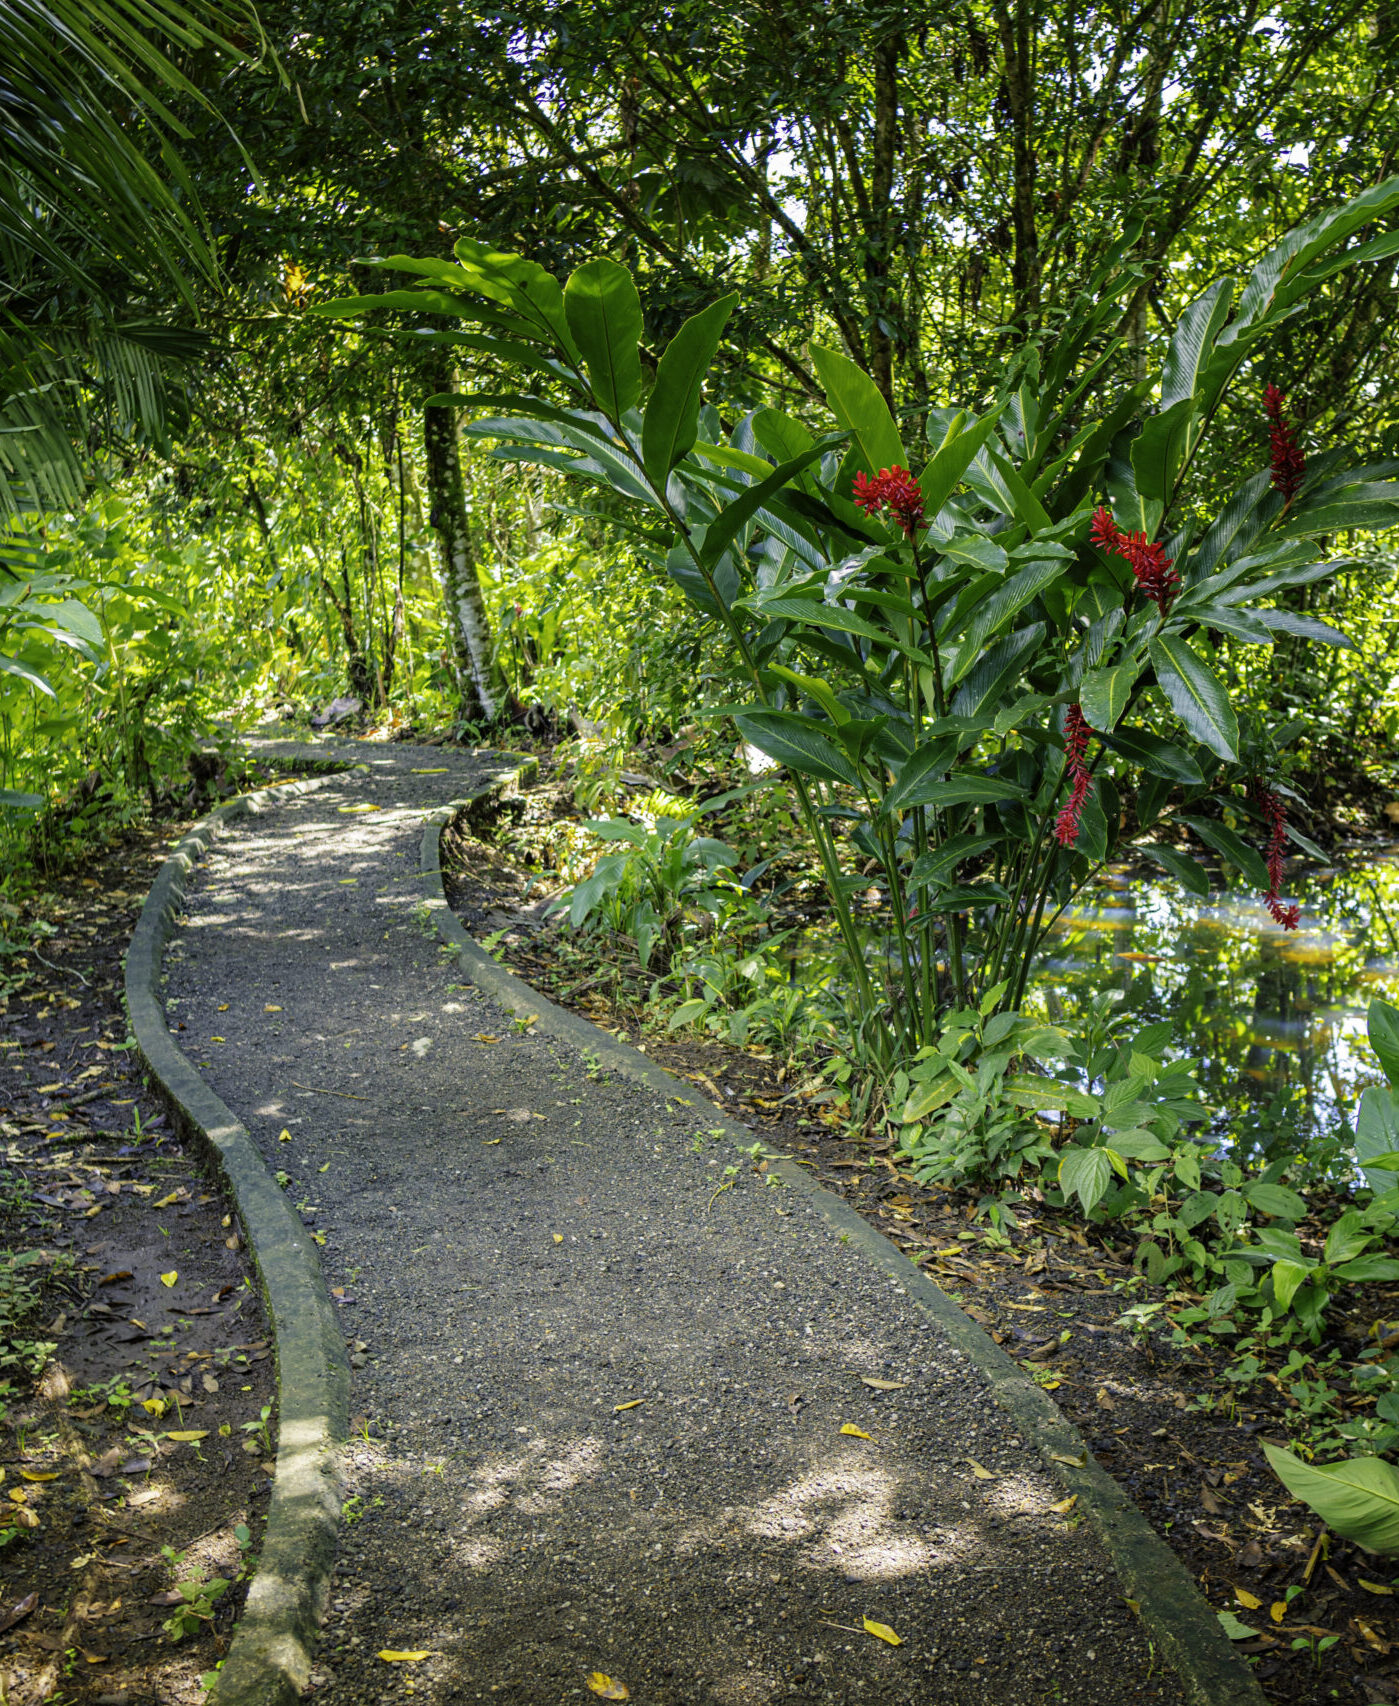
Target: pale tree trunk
column 468, row 625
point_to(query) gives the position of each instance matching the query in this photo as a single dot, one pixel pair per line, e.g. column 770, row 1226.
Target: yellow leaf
column 607, row 1688
column 631, row 1405
column 185, row 1435
column 1065, row 1505
column 39, row 1475
column 170, row 1278
column 1249, row 1601
column 346, row 881
column 156, row 1406
column 883, row 1385
column 395, row 1658
column 437, row 770
column 216, row 1039
column 558, row 1237
column 850, row 1428
column 981, row 1473
column 284, row 1136
column 269, row 1008
column 483, row 1037
column 223, row 1007
column 166, row 1201
column 366, row 807
column 1073, row 1462
column 1278, row 1610
column 1374, row 1587
column 883, row 1631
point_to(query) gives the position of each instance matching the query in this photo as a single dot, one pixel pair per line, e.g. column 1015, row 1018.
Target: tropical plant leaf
column 604, row 314
column 1086, row 1174
column 1104, row 695
column 796, row 742
column 1231, row 848
column 1188, row 872
column 1196, row 694
column 1382, row 1027
column 1359, row 1498
column 856, row 402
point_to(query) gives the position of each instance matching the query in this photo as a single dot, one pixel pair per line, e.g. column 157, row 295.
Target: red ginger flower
column 897, row 488
column 1076, row 733
column 1275, row 815
column 1155, row 577
column 1285, row 457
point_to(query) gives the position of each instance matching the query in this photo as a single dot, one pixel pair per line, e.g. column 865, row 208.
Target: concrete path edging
column 269, row 1658
column 1187, row 1631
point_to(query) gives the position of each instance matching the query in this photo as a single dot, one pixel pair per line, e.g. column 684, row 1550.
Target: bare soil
column 136, row 1355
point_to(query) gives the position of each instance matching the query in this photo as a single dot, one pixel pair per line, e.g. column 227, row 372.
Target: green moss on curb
column 269, row 1658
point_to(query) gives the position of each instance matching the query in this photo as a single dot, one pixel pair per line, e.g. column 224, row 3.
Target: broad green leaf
column 1196, row 694
column 672, row 410
column 604, row 315
column 813, row 613
column 925, row 1098
column 996, row 672
column 518, row 284
column 1188, row 872
column 966, row 897
column 1231, row 848
column 994, row 614
column 1049, row 1095
column 955, row 791
column 11, row 799
column 1104, row 694
column 17, row 667
column 1192, row 341
column 1086, row 1174
column 1156, row 756
column 924, row 764
column 733, row 517
column 1382, row 1026
column 1287, row 1278
column 1346, row 1239
column 1359, row 1498
column 1368, row 1270
column 1138, row 1144
column 944, row 472
column 1376, row 1134
column 856, row 402
column 1276, row 1200
column 796, row 742
column 1305, row 627
column 940, row 862
column 1159, row 449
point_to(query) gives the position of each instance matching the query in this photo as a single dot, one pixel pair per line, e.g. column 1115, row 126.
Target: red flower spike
column 1274, row 813
column 1151, row 567
column 1076, row 733
column 897, row 488
column 1286, row 462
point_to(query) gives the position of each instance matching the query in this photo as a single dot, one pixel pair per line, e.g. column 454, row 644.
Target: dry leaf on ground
column 850, row 1428
column 606, row 1688
column 883, row 1632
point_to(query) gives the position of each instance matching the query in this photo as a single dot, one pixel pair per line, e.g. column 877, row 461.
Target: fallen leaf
column 484, row 1037
column 631, row 1404
column 284, row 1136
column 16, row 1612
column 269, row 1008
column 115, row 1278
column 390, row 1656
column 558, row 1237
column 882, row 1631
column 1073, row 1462
column 883, row 1385
column 39, row 1474
column 850, row 1428
column 363, row 807
column 170, row 1278
column 185, row 1435
column 223, row 1007
column 606, row 1688
column 1278, row 1610
column 1374, row 1587
column 1065, row 1505
column 165, row 1202
column 156, row 1406
column 1233, row 1628
column 981, row 1473
column 346, row 881
column 216, row 1039
column 1249, row 1601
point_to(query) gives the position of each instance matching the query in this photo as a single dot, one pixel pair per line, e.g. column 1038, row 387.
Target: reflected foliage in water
column 1277, row 1020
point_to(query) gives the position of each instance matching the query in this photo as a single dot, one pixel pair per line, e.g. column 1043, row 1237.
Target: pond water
column 1277, row 1019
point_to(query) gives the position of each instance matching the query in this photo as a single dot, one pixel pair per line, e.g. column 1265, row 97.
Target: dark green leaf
column 1104, row 695
column 798, row 743
column 1230, row 848
column 1156, row 756
column 672, row 410
column 1196, row 694
column 604, row 315
column 1187, row 871
column 856, row 402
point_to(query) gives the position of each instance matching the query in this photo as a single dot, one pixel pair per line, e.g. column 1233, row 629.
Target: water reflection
column 1277, row 1019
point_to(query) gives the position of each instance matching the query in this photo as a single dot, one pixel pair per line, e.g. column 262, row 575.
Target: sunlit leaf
column 606, row 1688
column 850, row 1428
column 882, row 1632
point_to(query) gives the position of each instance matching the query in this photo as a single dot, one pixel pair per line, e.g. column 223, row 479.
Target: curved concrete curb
column 1186, row 1629
column 269, row 1659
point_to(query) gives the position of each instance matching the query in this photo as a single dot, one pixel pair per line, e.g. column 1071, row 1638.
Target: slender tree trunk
column 468, row 625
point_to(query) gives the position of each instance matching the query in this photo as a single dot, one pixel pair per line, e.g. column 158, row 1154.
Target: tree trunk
column 468, row 625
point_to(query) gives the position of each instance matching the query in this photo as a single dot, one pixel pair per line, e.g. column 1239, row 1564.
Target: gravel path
column 600, row 1398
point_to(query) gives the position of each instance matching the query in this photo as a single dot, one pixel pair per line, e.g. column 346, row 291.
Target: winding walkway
column 601, row 1381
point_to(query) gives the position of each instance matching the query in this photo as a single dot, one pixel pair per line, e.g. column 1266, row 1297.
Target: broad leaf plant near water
column 964, row 674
